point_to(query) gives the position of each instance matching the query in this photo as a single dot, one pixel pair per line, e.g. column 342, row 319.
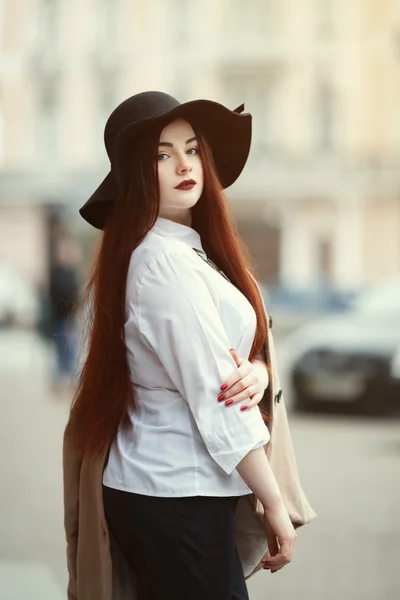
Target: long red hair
column 104, row 393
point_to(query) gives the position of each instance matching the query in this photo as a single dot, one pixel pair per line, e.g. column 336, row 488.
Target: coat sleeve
column 71, row 477
column 179, row 320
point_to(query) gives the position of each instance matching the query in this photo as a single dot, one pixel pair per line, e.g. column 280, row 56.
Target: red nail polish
column 244, row 407
column 228, row 402
column 223, row 387
column 221, row 397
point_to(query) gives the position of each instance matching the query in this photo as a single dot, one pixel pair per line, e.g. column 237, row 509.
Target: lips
column 188, row 184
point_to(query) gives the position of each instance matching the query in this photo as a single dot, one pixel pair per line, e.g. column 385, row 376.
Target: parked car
column 395, row 365
column 318, row 300
column 295, row 307
column 395, row 374
column 348, row 360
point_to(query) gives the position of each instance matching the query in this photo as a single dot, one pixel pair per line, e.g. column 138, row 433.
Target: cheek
column 162, row 179
column 198, row 167
column 200, row 175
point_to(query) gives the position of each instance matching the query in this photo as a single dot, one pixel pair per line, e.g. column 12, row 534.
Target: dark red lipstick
column 188, row 184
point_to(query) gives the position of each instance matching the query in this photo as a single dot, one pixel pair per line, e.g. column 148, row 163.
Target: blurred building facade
column 319, row 200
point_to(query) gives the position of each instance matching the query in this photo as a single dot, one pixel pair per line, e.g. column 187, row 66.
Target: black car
column 346, row 361
column 395, row 373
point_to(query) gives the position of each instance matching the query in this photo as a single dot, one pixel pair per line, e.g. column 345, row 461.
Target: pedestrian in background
column 63, row 296
column 165, row 444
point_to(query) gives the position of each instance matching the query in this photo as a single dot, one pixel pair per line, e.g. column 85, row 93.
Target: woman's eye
column 193, row 151
column 162, row 156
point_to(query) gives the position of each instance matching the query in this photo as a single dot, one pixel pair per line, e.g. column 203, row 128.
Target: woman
column 165, row 404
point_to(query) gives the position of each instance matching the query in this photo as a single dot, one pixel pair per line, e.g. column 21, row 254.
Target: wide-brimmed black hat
column 228, row 133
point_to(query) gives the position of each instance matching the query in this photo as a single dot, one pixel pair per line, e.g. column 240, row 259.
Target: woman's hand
column 281, row 537
column 255, row 470
column 250, row 380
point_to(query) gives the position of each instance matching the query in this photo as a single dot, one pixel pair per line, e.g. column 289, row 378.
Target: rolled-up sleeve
column 179, row 320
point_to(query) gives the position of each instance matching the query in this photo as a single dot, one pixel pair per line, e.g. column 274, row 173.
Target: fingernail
column 223, row 387
column 243, row 407
column 221, row 397
column 228, row 402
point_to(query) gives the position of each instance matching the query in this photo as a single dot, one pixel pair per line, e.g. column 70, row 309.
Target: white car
column 350, row 361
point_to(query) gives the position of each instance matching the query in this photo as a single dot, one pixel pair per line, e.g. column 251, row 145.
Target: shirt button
column 270, row 321
column 278, row 396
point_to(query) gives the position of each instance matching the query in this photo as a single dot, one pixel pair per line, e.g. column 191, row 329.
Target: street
column 349, row 468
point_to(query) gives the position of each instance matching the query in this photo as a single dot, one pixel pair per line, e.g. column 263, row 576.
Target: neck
column 178, row 216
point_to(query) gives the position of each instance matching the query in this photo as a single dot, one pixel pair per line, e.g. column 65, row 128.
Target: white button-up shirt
column 182, row 317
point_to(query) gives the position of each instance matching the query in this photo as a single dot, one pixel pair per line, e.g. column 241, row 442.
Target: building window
column 107, row 101
column 107, row 94
column 1, row 136
column 258, row 90
column 181, row 88
column 180, row 23
column 252, row 17
column 324, row 117
column 324, row 261
column 324, row 14
column 48, row 121
column 108, row 12
column 50, row 17
column 2, row 22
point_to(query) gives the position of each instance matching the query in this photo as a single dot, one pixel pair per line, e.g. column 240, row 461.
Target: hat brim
column 96, row 210
column 228, row 134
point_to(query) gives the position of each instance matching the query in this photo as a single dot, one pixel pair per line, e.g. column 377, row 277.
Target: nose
column 184, row 165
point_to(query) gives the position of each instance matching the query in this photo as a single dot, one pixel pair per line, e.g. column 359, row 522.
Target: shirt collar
column 183, row 233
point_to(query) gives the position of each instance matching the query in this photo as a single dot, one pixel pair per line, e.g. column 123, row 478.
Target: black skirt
column 180, row 548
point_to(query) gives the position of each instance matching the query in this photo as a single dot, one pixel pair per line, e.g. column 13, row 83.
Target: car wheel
column 374, row 405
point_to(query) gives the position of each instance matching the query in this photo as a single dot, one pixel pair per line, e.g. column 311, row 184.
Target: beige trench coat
column 98, row 570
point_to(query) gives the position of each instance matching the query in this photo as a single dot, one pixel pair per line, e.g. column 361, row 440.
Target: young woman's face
column 180, row 172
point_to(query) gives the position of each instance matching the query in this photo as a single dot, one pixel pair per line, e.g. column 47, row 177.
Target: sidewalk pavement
column 349, row 469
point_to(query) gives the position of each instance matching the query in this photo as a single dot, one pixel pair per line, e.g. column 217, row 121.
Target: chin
column 186, row 203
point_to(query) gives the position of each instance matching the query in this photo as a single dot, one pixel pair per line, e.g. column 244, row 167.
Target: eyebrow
column 169, row 145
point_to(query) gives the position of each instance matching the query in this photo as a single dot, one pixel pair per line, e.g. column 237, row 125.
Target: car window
column 380, row 301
